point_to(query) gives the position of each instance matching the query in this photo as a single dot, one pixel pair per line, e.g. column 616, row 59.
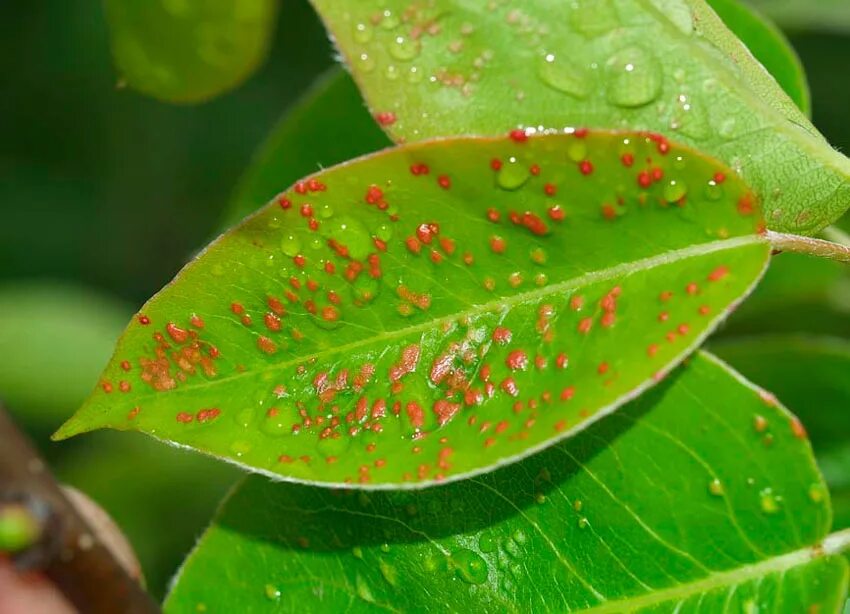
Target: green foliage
column 820, row 15
column 188, row 50
column 769, row 46
column 438, row 309
column 719, row 507
column 669, row 66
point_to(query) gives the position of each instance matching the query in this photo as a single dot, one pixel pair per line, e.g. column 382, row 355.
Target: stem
column 68, row 552
column 808, row 245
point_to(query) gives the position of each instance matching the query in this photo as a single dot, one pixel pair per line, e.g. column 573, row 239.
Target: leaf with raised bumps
column 188, row 51
column 447, row 67
column 431, row 311
column 674, row 503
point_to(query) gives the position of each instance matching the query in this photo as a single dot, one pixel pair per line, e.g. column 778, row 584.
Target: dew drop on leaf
column 564, row 76
column 512, row 175
column 470, row 567
column 290, row 244
column 593, row 17
column 768, row 501
column 362, row 33
column 715, row 487
column 363, row 590
column 674, row 191
column 404, row 49
column 272, row 592
column 634, row 77
column 486, row 543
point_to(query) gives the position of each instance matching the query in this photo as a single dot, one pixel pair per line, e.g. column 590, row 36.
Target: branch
column 66, row 549
column 808, row 245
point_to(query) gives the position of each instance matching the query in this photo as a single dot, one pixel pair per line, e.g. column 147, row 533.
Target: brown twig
column 68, row 551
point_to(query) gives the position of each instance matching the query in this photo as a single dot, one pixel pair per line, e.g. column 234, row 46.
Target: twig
column 67, row 551
column 808, row 245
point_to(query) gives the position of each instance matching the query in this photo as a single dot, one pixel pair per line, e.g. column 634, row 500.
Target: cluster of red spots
column 646, row 178
column 609, row 212
column 556, row 213
column 585, row 167
column 719, row 177
column 177, row 334
column 584, row 325
column 203, row 415
column 704, row 310
column 609, row 307
column 284, row 202
column 550, row 189
column 144, row 320
column 661, row 142
column 106, row 386
column 797, row 428
column 419, row 169
column 568, row 393
column 125, row 365
column 576, row 302
column 375, row 196
column 124, row 386
column 187, row 358
column 530, row 221
column 627, row 160
column 602, row 369
column 310, row 185
column 544, row 323
column 287, row 459
column 445, row 410
column 407, row 363
column 385, row 118
column 518, row 135
column 502, row 335
column 420, row 300
column 444, row 181
column 534, row 169
column 496, row 164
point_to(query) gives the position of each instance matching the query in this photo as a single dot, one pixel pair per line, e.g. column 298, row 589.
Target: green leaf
column 670, row 66
column 431, row 311
column 327, row 126
column 672, row 503
column 810, row 375
column 55, row 338
column 769, row 46
column 188, row 51
column 826, row 15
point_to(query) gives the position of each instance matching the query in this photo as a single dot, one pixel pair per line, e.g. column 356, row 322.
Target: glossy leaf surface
column 671, row 504
column 188, row 50
column 432, row 311
column 769, row 46
column 811, row 375
column 448, row 67
column 327, row 126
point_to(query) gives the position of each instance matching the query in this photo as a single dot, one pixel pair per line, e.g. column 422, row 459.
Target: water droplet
column 389, row 20
column 470, row 566
column 414, row 75
column 333, row 446
column 290, row 244
column 486, row 543
column 240, row 447
column 362, row 33
column 244, row 417
column 272, row 592
column 365, row 62
column 512, row 175
column 520, row 537
column 349, row 233
column 385, row 547
column 817, row 493
column 689, row 118
column 768, row 501
column 564, row 75
column 593, row 17
column 512, row 548
column 713, row 190
column 326, row 211
column 389, row 572
column 583, row 523
column 384, row 232
column 715, row 488
column 404, row 48
column 363, row 590
column 391, row 72
column 674, row 191
column 634, row 77
column 577, row 150
column 364, row 290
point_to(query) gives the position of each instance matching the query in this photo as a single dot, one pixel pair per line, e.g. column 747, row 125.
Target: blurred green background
column 105, row 194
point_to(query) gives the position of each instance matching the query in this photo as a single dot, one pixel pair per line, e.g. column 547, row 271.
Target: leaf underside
column 700, row 496
column 188, row 51
column 447, row 67
column 435, row 310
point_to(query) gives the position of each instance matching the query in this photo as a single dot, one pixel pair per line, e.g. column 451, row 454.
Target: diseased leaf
column 188, row 50
column 812, row 376
column 448, row 67
column 327, row 126
column 432, row 311
column 769, row 46
column 671, row 504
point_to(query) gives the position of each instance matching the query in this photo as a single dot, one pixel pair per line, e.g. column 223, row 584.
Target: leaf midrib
column 625, row 268
column 831, row 545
